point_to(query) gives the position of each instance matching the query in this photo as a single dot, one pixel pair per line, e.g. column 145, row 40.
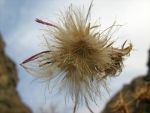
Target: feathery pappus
column 83, row 56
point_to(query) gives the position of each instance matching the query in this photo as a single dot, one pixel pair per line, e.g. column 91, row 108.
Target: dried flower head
column 83, row 55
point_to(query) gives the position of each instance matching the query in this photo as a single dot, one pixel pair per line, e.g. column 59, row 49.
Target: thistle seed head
column 83, row 53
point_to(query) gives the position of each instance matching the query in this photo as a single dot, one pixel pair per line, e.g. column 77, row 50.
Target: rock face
column 10, row 101
column 133, row 98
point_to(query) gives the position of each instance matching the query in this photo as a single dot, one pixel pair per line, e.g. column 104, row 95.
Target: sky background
column 23, row 37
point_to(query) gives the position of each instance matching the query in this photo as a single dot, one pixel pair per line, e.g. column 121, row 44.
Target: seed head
column 83, row 55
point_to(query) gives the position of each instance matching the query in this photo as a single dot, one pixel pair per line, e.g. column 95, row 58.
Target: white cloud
column 2, row 2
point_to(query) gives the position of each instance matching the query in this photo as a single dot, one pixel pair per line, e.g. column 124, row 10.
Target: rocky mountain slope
column 10, row 101
column 133, row 98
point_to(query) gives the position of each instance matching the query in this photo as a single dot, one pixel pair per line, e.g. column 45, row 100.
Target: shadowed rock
column 10, row 101
column 132, row 98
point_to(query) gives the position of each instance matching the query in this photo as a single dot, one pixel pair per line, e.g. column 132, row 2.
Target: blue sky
column 23, row 38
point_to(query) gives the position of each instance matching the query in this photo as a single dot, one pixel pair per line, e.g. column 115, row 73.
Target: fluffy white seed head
column 83, row 53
